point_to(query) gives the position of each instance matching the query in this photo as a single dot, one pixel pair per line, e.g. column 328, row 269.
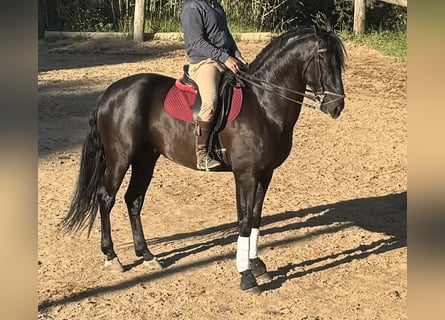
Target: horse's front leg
column 250, row 196
column 257, row 265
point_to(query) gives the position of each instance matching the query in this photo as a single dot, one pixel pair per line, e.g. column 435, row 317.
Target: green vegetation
column 243, row 16
column 392, row 43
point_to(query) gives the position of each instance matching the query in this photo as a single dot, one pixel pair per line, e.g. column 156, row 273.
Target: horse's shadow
column 384, row 214
column 285, row 273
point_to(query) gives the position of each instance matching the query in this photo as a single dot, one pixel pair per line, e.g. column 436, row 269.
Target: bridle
column 314, row 95
column 321, row 92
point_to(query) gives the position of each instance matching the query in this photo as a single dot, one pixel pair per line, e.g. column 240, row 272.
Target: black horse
column 130, row 127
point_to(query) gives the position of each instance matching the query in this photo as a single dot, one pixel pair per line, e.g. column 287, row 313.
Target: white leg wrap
column 254, row 234
column 242, row 254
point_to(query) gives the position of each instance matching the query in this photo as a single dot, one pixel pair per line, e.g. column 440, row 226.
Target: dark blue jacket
column 206, row 34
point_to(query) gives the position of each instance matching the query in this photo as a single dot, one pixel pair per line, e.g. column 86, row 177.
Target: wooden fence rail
column 360, row 13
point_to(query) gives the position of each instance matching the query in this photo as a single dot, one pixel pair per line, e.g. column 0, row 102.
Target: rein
column 259, row 83
column 315, row 96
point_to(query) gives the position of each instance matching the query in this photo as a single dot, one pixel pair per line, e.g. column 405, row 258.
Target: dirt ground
column 334, row 227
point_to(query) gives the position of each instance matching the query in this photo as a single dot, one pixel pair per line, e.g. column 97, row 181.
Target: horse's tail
column 84, row 204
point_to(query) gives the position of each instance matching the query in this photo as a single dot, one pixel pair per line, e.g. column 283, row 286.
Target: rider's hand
column 232, row 64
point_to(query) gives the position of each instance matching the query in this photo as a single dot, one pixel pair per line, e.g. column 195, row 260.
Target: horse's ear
column 329, row 28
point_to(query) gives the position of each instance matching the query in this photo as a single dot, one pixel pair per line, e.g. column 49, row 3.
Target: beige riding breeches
column 207, row 75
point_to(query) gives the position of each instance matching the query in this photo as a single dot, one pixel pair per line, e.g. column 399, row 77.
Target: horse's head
column 323, row 73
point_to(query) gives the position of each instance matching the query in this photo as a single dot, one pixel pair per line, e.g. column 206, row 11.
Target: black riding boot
column 204, row 161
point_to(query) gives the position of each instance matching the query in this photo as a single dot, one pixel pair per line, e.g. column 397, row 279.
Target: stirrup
column 208, row 164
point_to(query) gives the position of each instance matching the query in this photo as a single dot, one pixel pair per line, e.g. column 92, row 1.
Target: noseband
column 315, row 95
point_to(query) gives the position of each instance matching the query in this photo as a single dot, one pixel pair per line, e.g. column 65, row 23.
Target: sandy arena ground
column 334, row 226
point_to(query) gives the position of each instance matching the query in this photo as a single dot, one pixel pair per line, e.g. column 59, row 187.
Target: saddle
column 225, row 95
column 184, row 96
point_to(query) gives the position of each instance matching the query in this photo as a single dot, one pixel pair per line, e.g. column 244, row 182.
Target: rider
column 209, row 46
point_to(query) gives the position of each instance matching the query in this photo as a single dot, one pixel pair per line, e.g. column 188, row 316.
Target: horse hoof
column 114, row 265
column 254, row 290
column 248, row 283
column 263, row 278
column 152, row 264
column 259, row 270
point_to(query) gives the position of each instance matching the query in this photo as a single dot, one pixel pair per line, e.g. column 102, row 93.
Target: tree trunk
column 359, row 16
column 113, row 12
column 139, row 19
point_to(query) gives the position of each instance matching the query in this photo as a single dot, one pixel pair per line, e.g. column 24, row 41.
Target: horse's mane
column 337, row 48
column 334, row 46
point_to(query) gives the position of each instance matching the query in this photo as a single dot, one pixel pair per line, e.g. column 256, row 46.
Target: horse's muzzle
column 337, row 111
column 334, row 108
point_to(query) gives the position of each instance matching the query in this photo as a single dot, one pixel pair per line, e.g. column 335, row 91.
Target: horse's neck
column 286, row 73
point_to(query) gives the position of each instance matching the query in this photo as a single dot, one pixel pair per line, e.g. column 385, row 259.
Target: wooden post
column 403, row 3
column 139, row 20
column 359, row 16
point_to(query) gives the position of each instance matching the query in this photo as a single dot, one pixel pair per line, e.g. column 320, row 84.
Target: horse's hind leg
column 142, row 168
column 112, row 180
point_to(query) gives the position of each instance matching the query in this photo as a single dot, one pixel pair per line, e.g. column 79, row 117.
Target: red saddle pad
column 180, row 99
